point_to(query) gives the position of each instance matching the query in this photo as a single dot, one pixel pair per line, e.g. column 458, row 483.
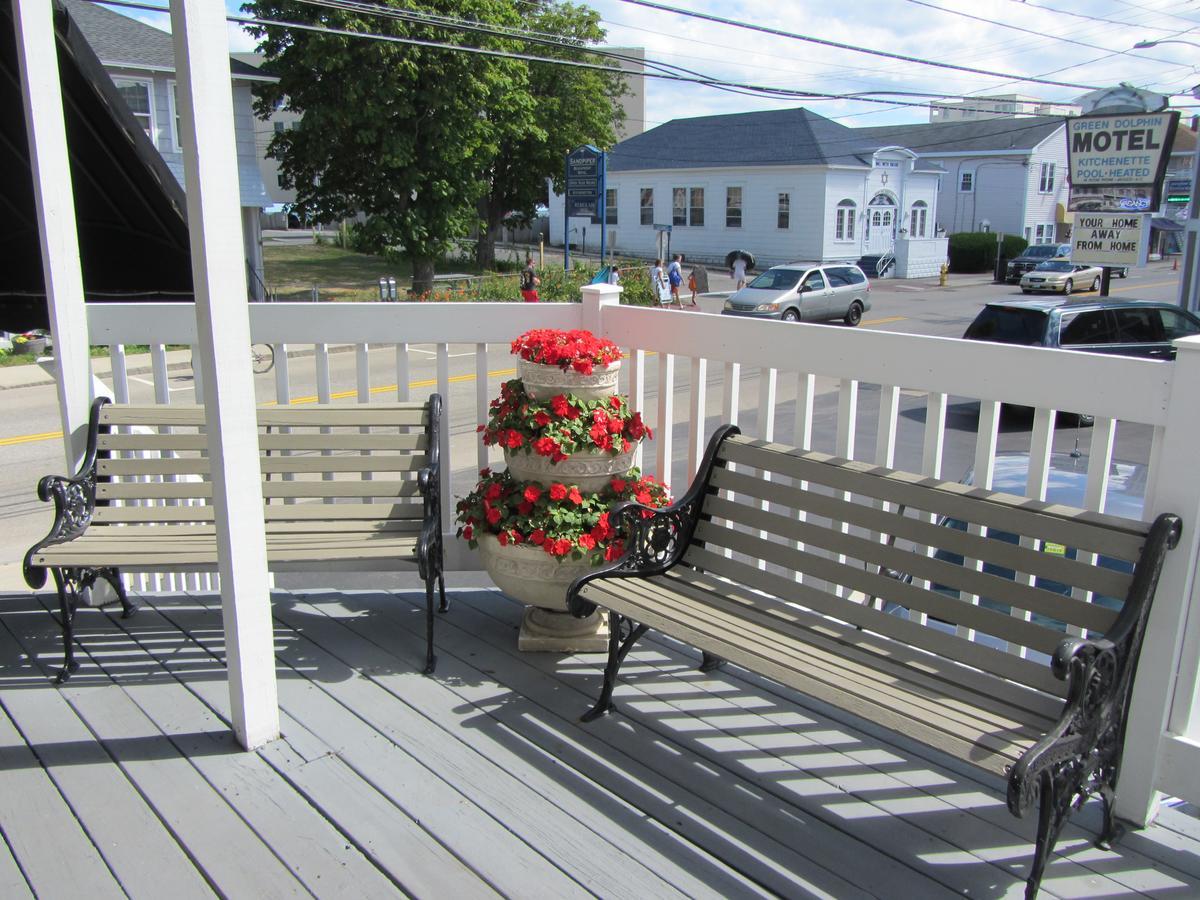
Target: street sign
column 584, row 172
column 666, row 228
column 1108, row 240
column 1117, row 162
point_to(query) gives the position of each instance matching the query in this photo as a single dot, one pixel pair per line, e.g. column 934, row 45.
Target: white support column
column 1165, row 688
column 595, row 298
column 54, row 199
column 219, row 276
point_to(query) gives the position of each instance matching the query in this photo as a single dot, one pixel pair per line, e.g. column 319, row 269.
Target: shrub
column 975, row 251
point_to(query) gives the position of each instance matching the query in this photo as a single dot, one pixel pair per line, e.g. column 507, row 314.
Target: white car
column 1062, row 277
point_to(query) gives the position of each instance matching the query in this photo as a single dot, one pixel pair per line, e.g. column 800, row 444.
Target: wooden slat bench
column 995, row 628
column 350, row 487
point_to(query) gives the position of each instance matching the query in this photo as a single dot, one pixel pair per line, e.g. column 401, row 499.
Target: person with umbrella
column 738, row 260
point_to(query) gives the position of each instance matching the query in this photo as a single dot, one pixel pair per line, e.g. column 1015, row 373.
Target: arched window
column 917, row 219
column 844, row 226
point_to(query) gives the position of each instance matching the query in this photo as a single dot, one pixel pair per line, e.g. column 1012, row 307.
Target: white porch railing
column 886, row 398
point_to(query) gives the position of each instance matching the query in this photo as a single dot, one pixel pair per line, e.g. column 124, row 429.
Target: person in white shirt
column 738, row 273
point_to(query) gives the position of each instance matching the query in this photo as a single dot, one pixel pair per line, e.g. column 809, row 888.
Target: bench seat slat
column 311, row 416
column 1099, row 579
column 202, row 490
column 306, row 464
column 1006, row 665
column 958, row 577
column 996, row 624
column 338, row 529
column 1107, row 535
column 808, row 674
column 960, row 691
column 301, row 512
column 295, row 440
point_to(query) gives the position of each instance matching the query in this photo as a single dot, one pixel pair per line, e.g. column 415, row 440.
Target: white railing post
column 595, row 298
column 54, row 197
column 1165, row 680
column 219, row 277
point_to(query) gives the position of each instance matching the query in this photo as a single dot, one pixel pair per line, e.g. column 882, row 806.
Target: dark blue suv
column 1122, row 327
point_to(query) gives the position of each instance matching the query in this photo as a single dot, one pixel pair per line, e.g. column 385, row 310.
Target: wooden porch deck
column 480, row 780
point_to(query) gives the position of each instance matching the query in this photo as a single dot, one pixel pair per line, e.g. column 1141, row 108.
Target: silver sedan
column 1062, row 277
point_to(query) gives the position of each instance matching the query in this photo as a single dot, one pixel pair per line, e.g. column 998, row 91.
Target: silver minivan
column 804, row 293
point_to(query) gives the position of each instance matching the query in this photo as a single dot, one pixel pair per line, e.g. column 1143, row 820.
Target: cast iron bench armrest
column 74, row 499
column 655, row 539
column 1099, row 675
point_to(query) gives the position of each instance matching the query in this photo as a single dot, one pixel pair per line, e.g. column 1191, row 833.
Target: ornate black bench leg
column 444, row 606
column 1054, row 808
column 711, row 662
column 618, row 649
column 430, row 657
column 67, row 601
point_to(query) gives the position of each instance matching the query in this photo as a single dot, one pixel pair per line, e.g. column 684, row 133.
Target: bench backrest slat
column 275, row 441
column 291, row 512
column 405, row 414
column 269, row 465
column 202, row 490
column 954, row 571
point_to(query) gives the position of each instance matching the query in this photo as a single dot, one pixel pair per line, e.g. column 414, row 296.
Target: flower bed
column 562, row 520
column 577, row 349
column 562, row 426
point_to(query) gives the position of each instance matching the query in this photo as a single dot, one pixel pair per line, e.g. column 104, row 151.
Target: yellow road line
column 1140, row 287
column 30, row 438
column 884, row 321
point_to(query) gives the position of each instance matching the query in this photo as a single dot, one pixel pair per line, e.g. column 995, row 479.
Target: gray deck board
column 480, row 781
column 139, row 850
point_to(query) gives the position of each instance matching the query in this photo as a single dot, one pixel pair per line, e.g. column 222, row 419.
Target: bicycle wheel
column 262, row 358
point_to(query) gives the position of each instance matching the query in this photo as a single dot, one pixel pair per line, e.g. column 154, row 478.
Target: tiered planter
column 560, row 479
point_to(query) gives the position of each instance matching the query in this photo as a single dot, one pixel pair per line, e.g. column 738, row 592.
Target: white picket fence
column 809, row 381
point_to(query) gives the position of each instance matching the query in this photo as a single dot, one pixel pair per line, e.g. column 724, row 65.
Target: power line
column 828, row 43
column 1067, row 12
column 1067, row 40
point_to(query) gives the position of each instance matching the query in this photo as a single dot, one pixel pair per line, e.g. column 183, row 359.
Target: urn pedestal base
column 550, row 631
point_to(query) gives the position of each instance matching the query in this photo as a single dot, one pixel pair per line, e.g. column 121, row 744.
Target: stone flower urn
column 527, row 574
column 543, row 382
column 590, row 469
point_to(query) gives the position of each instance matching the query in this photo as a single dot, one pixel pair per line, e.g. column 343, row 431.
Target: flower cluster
column 576, row 349
column 563, row 426
column 562, row 520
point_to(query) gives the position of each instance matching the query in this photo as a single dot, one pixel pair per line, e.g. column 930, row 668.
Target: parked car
column 1103, row 325
column 1031, row 257
column 1061, row 276
column 808, row 293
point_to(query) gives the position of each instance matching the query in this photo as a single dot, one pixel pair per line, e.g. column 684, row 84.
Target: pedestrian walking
column 698, row 281
column 738, row 273
column 675, row 278
column 658, row 284
column 529, row 282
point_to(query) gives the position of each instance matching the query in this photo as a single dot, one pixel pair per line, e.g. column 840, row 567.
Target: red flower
column 558, row 456
column 559, row 404
column 562, row 547
column 599, row 416
column 532, row 492
column 516, row 537
column 484, row 473
column 514, row 439
column 615, row 401
column 643, row 497
column 492, row 492
column 614, row 551
column 538, row 537
column 572, row 412
column 599, row 433
column 468, row 533
column 618, row 485
column 586, row 541
column 575, row 497
column 582, row 366
column 493, row 515
column 502, row 537
column 524, row 507
column 558, row 491
column 541, row 418
column 615, row 426
column 546, row 446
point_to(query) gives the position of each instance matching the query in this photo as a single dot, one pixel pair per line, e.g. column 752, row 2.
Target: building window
column 139, row 97
column 784, row 217
column 1043, row 234
column 610, row 206
column 173, row 112
column 687, row 206
column 280, row 127
column 966, row 182
column 1046, row 182
column 733, row 207
column 917, row 220
column 844, row 226
column 647, row 205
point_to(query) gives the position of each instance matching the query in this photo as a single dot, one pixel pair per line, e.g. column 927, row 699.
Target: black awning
column 130, row 210
column 1163, row 224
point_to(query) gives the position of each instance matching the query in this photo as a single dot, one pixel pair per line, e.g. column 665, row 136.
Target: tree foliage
column 421, row 140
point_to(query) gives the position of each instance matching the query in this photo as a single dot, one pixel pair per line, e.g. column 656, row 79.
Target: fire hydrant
column 943, row 274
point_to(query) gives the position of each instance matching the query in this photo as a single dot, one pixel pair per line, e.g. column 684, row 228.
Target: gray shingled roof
column 932, row 138
column 121, row 41
column 777, row 137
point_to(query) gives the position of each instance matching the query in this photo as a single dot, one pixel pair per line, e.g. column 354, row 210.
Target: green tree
column 567, row 106
column 389, row 130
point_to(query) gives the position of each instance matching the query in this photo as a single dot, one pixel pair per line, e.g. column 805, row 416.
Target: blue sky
column 1052, row 40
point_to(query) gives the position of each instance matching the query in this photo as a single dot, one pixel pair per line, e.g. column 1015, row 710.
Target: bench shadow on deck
column 480, row 780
